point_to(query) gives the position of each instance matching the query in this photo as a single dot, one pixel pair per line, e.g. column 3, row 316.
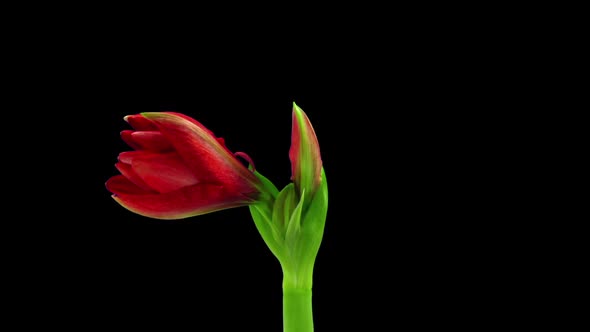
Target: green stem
column 297, row 313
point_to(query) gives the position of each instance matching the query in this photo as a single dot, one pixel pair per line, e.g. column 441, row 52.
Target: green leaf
column 269, row 191
column 294, row 226
column 262, row 215
column 315, row 216
column 313, row 223
column 283, row 207
column 269, row 233
column 271, row 188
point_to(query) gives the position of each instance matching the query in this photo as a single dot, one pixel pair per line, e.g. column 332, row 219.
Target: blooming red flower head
column 179, row 169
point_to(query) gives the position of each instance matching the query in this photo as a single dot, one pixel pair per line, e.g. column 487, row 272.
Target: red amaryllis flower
column 179, row 169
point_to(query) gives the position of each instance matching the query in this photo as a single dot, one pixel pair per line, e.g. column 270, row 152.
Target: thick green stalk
column 297, row 312
column 297, row 309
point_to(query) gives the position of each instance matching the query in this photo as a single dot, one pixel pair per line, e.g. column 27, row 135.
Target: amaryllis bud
column 306, row 162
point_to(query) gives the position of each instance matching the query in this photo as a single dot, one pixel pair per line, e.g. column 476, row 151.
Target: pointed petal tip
column 131, row 117
column 296, row 107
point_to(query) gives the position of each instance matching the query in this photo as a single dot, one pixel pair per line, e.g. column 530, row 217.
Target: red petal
column 151, row 140
column 126, row 136
column 130, row 174
column 128, row 156
column 120, row 185
column 163, row 172
column 202, row 152
column 220, row 140
column 186, row 117
column 295, row 149
column 139, row 122
column 186, row 202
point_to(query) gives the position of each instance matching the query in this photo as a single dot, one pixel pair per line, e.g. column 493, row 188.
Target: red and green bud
column 306, row 162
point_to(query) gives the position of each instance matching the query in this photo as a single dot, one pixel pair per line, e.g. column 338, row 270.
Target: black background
column 402, row 119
